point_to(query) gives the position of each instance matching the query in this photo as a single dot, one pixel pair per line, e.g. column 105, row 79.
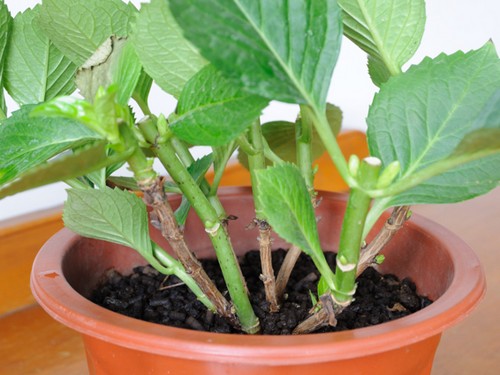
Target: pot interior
column 412, row 252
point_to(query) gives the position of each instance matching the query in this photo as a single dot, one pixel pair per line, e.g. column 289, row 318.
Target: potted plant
column 432, row 133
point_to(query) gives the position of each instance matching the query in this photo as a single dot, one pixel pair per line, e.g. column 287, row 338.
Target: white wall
column 451, row 25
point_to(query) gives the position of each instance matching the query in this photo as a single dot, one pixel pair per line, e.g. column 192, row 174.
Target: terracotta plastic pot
column 444, row 268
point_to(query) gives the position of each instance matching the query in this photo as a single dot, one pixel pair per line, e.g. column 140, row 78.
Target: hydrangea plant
column 433, row 128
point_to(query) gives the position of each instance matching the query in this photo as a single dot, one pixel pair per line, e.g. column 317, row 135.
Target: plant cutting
column 433, row 131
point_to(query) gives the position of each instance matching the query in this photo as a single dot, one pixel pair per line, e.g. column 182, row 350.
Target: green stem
column 172, row 266
column 330, row 141
column 351, row 235
column 245, row 145
column 378, row 207
column 218, row 235
column 270, row 154
column 257, row 160
column 187, row 159
column 77, row 184
column 220, row 167
column 304, row 130
column 143, row 105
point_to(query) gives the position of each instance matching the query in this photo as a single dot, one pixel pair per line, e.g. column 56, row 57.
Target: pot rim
column 67, row 306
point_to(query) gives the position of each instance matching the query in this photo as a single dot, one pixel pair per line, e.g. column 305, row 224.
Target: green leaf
column 283, row 50
column 28, row 142
column 5, row 36
column 111, row 215
column 322, row 287
column 90, row 22
column 378, row 71
column 143, row 88
column 389, row 31
column 424, row 118
column 212, row 111
column 164, row 52
column 114, row 62
column 127, row 74
column 281, row 137
column 65, row 167
column 101, row 116
column 35, row 70
column 283, row 193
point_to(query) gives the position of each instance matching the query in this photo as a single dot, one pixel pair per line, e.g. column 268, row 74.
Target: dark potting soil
column 149, row 295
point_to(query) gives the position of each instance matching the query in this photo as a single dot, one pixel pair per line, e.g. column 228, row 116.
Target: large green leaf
column 212, row 110
column 282, row 193
column 112, row 215
column 64, row 167
column 5, row 33
column 28, row 142
column 389, row 31
column 423, row 117
column 283, row 50
column 79, row 27
column 35, row 69
column 164, row 52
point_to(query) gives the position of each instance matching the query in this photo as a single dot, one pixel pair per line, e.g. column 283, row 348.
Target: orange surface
column 327, row 178
column 19, row 245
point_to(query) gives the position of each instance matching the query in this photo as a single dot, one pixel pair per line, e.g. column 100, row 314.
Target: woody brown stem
column 393, row 224
column 267, row 275
column 154, row 196
column 326, row 315
column 286, row 270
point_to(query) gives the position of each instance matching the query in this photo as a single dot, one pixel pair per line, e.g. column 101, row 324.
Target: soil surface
column 149, row 295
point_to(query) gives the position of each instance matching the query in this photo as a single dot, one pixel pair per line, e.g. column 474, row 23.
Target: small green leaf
column 35, row 69
column 109, row 214
column 283, row 50
column 101, row 116
column 29, row 142
column 114, row 62
column 283, row 193
column 334, row 117
column 164, row 52
column 65, row 167
column 424, row 122
column 5, row 35
column 142, row 90
column 378, row 71
column 322, row 286
column 212, row 111
column 182, row 211
column 127, row 74
column 389, row 31
column 90, row 22
column 281, row 137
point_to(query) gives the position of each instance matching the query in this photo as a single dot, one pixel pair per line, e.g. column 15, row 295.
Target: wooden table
column 473, row 347
column 32, row 343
